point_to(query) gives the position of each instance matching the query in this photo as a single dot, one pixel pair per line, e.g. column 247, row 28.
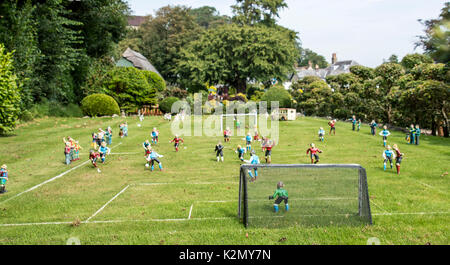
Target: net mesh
column 317, row 195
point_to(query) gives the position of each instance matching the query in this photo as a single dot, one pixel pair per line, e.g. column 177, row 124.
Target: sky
column 367, row 31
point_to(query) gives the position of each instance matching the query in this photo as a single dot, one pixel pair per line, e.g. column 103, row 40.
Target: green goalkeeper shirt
column 281, row 193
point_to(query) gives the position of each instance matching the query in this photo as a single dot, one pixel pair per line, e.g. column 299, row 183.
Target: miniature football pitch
column 194, row 200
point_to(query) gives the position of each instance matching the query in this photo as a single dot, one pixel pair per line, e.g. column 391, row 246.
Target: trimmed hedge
column 155, row 81
column 166, row 105
column 99, row 105
column 129, row 87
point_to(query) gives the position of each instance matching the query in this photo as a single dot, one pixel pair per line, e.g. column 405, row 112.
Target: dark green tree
column 164, row 35
column 252, row 12
column 208, row 17
column 436, row 41
column 233, row 55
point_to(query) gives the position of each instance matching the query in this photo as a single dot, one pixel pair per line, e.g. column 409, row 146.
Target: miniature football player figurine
column 385, row 133
column 152, row 158
column 219, row 151
column 103, row 151
column 321, row 134
column 93, row 156
column 398, row 158
column 354, row 121
column 312, row 151
column 248, row 139
column 280, row 195
column 388, row 155
column 146, row 144
column 359, row 125
column 268, row 147
column 412, row 134
column 177, row 141
column 332, row 125
column 227, row 134
column 155, row 136
column 417, row 134
column 240, row 151
column 3, row 178
column 373, row 127
column 254, row 160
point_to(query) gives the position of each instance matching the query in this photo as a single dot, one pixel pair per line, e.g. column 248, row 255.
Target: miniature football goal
column 276, row 196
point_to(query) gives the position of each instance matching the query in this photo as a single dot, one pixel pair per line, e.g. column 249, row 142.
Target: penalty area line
column 106, row 204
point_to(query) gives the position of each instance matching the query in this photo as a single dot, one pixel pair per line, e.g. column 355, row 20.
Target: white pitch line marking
column 103, row 207
column 190, row 211
column 50, row 180
column 208, row 218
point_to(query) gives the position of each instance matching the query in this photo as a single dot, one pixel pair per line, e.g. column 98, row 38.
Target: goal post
column 332, row 194
column 253, row 116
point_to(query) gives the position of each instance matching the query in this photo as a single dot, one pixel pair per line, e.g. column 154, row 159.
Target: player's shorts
column 333, row 129
column 176, row 145
column 388, row 158
column 280, row 199
column 398, row 160
column 268, row 153
column 249, row 142
column 241, row 156
column 384, row 138
column 316, row 156
column 219, row 153
column 155, row 159
column 2, row 181
column 320, row 134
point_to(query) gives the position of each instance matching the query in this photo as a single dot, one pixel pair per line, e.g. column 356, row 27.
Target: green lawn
column 195, row 199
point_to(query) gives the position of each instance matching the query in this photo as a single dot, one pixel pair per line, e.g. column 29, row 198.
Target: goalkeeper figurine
column 280, row 195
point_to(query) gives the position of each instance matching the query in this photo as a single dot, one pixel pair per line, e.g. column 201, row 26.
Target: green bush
column 155, row 80
column 278, row 93
column 166, row 105
column 129, row 87
column 99, row 105
column 9, row 93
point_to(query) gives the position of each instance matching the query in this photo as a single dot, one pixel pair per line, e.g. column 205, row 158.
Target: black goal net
column 318, row 195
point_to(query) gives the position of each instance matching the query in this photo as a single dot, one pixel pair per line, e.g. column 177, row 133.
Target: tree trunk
column 433, row 127
column 241, row 86
column 446, row 123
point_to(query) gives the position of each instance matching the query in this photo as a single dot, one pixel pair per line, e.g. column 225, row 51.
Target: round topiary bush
column 99, row 105
column 166, row 105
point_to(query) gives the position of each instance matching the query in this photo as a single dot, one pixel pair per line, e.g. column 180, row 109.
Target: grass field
column 195, row 199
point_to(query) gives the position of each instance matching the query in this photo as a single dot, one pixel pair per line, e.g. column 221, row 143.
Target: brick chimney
column 333, row 58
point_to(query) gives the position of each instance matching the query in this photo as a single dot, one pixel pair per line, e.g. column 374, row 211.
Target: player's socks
column 152, row 167
column 398, row 169
column 160, row 166
column 391, row 165
column 221, row 158
column 275, row 207
column 256, row 173
column 287, row 207
column 217, row 159
column 384, row 166
column 250, row 174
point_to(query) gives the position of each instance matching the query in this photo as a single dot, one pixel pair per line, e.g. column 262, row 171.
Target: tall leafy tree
column 234, row 55
column 9, row 92
column 209, row 17
column 308, row 56
column 436, row 41
column 251, row 12
column 19, row 34
column 164, row 35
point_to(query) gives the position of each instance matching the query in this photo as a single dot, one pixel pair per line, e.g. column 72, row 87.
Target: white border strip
column 204, row 218
column 106, row 204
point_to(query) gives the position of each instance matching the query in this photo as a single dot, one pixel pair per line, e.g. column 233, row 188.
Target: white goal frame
column 254, row 114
